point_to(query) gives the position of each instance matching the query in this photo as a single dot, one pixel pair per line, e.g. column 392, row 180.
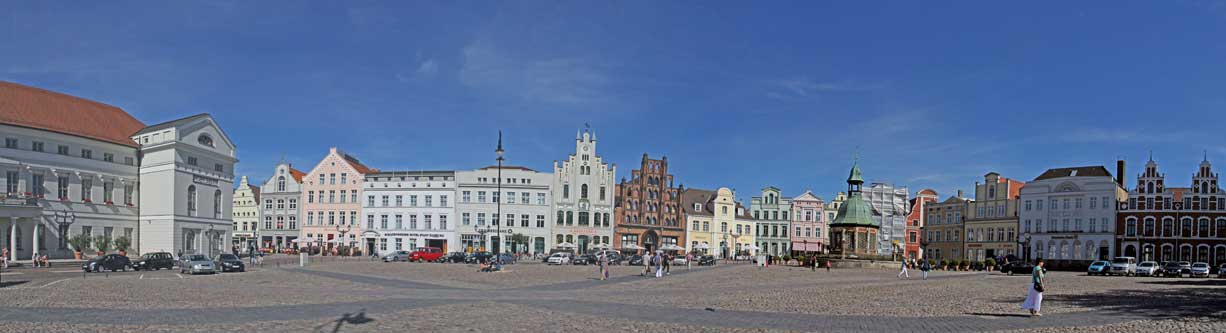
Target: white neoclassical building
column 1067, row 215
column 525, row 209
column 409, row 209
column 74, row 166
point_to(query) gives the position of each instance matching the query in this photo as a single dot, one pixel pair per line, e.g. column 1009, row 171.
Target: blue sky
column 778, row 93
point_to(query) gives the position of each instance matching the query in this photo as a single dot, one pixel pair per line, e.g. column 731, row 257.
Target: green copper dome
column 854, row 211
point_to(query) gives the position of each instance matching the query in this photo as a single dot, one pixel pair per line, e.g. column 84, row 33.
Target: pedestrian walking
column 689, row 260
column 668, row 264
column 904, row 271
column 604, row 267
column 251, row 253
column 812, row 264
column 827, row 266
column 4, row 258
column 646, row 263
column 1038, row 282
column 924, row 268
column 658, row 262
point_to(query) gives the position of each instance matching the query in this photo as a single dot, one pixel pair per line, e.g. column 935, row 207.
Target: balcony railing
column 17, row 199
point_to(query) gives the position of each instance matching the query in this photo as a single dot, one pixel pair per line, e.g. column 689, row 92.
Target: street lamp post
column 498, row 205
column 342, row 229
column 64, row 219
column 1023, row 243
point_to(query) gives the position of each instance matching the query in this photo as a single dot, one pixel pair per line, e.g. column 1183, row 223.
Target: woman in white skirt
column 1034, row 300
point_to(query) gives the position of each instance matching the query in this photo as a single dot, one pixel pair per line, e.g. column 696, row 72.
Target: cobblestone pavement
column 373, row 296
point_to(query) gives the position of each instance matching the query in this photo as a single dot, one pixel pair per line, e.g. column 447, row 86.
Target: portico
column 20, row 219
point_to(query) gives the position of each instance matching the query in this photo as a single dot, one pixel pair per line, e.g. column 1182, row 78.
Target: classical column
column 34, row 250
column 12, row 239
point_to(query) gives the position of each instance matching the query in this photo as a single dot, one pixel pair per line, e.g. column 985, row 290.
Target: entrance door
column 439, row 243
column 370, row 245
column 496, row 247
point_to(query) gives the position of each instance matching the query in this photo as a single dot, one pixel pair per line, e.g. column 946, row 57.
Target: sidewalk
column 28, row 264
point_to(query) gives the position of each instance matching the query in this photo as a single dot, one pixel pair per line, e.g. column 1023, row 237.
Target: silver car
column 197, row 263
column 397, row 256
column 1200, row 269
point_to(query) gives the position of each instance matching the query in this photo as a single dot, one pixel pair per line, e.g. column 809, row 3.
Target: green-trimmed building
column 853, row 232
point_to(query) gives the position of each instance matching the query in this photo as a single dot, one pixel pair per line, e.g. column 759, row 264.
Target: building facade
column 279, row 207
column 717, row 224
column 331, row 194
column 854, row 232
column 1067, row 214
column 584, row 196
column 404, row 210
column 808, row 224
column 186, row 186
column 246, row 215
column 647, row 212
column 991, row 222
column 526, row 210
column 943, row 228
column 890, row 209
column 915, row 223
column 832, row 207
column 771, row 214
column 1164, row 223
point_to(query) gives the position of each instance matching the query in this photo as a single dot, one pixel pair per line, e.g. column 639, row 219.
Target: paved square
column 361, row 295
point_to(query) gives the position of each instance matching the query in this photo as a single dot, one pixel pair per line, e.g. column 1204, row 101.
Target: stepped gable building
column 1163, row 223
column 648, row 211
column 854, row 232
column 991, row 220
column 280, row 209
column 584, row 196
column 331, row 198
column 246, row 215
column 73, row 166
column 915, row 223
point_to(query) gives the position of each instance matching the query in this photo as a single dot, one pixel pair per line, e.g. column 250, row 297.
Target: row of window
column 332, row 196
column 582, row 192
column 1203, row 228
column 1068, row 203
column 525, row 198
column 39, row 146
column 1063, row 225
column 331, row 178
column 191, row 202
column 524, row 220
column 331, row 218
column 767, row 215
column 811, row 232
column 1193, row 203
column 601, row 219
column 193, row 161
column 281, row 222
column 427, row 222
column 741, row 229
column 386, row 201
column 506, row 181
column 85, row 191
column 293, row 203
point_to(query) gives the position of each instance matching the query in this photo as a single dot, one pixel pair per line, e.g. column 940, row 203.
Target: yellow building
column 716, row 223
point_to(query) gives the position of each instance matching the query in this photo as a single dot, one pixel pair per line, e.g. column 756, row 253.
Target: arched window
column 1149, row 187
column 1168, row 227
column 1148, row 230
column 1130, row 227
column 280, row 183
column 583, row 191
column 217, row 204
column 1185, row 227
column 205, row 139
column 191, row 200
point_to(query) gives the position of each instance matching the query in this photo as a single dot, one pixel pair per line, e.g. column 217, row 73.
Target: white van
column 1126, row 266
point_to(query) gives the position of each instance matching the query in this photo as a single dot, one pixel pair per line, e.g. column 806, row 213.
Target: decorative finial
column 1206, row 155
column 1151, row 155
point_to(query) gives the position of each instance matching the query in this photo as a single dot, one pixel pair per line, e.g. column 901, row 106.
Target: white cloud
column 427, row 68
column 561, row 80
column 807, row 87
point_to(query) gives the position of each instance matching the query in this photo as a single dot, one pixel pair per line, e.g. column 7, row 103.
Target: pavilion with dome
column 853, row 231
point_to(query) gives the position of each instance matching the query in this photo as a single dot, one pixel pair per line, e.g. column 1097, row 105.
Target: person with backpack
column 924, row 268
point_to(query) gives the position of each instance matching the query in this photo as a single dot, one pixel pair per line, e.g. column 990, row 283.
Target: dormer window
column 205, row 139
column 697, row 207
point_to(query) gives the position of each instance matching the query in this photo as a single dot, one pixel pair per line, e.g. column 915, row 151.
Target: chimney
column 959, row 194
column 1119, row 173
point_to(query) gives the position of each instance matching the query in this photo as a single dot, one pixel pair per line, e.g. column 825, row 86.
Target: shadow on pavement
column 1185, row 282
column 351, row 319
column 12, row 283
column 1162, row 303
column 1009, row 315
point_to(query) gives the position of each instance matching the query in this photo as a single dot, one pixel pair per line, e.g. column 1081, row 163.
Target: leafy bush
column 122, row 243
column 990, row 262
column 103, row 243
column 965, row 263
column 79, row 243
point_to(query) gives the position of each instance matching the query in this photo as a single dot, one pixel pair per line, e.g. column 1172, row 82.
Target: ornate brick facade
column 1163, row 223
column 647, row 209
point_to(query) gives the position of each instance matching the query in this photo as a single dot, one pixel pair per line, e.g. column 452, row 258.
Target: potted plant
column 121, row 244
column 102, row 243
column 787, row 259
column 79, row 243
column 990, row 264
column 802, row 260
column 965, row 264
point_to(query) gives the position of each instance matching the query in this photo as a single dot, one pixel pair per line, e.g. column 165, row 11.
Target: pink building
column 808, row 234
column 915, row 223
column 330, row 195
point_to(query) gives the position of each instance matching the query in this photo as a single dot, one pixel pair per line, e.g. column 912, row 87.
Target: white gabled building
column 186, row 185
column 1067, row 215
column 583, row 196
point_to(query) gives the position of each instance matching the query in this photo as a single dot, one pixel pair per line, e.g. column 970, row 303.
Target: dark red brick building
column 1162, row 223
column 647, row 208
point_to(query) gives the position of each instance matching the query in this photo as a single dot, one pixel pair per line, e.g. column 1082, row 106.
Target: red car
column 424, row 254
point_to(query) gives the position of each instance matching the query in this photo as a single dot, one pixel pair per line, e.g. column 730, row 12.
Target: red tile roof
column 361, row 168
column 297, row 174
column 46, row 110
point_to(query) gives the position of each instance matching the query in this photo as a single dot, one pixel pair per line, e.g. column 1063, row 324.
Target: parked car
column 706, row 261
column 1100, row 267
column 1126, row 266
column 1172, row 268
column 560, row 258
column 111, row 262
column 426, row 254
column 615, row 258
column 585, row 259
column 196, row 263
column 1221, row 271
column 479, row 257
column 229, row 263
column 1017, row 267
column 636, row 260
column 1200, row 269
column 455, row 257
column 155, row 261
column 1185, row 267
column 1147, row 268
column 507, row 258
column 400, row 255
column 680, row 260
